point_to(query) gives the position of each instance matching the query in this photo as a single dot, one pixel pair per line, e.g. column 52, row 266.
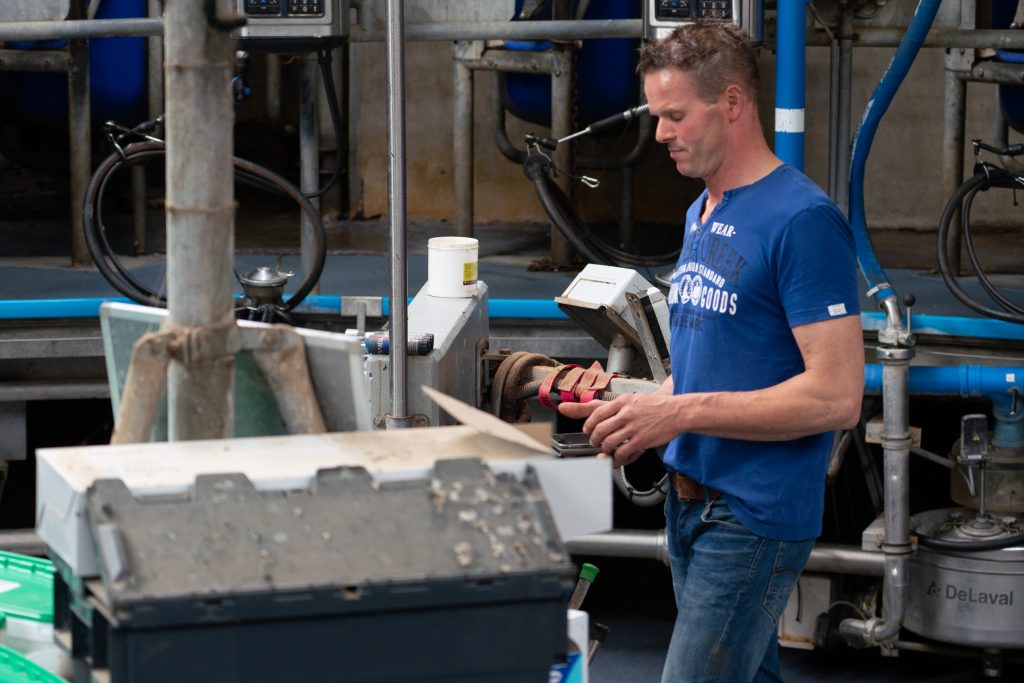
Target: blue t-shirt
column 772, row 256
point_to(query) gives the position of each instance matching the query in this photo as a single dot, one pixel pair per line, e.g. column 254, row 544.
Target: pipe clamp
column 895, row 353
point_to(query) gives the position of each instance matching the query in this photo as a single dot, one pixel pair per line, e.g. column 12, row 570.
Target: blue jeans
column 731, row 587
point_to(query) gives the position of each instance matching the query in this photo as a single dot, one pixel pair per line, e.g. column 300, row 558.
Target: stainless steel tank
column 962, row 597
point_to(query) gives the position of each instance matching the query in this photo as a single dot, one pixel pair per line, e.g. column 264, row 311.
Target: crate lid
column 26, row 587
column 14, row 668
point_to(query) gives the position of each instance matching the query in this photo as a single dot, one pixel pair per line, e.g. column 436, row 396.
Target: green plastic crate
column 15, row 668
column 26, row 587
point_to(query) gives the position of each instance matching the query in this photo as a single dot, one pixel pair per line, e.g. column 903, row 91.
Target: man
column 767, row 360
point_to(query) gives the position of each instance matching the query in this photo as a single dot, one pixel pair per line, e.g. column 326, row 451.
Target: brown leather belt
column 688, row 489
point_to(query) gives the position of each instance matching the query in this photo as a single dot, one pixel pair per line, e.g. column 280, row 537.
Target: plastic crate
column 26, row 588
column 14, row 668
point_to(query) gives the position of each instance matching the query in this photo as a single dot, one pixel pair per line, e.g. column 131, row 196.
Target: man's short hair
column 715, row 55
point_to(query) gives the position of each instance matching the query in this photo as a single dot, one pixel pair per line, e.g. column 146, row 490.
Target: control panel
column 292, row 25
column 661, row 17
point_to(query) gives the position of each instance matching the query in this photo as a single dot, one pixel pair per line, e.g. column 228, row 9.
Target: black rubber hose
column 537, row 168
column 563, row 214
column 245, row 171
column 979, row 272
column 979, row 180
column 95, row 232
column 933, row 543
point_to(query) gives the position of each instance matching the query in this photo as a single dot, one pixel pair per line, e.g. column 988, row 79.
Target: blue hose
column 1010, row 56
column 874, row 274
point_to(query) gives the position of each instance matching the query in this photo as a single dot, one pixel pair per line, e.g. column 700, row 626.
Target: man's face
column 693, row 130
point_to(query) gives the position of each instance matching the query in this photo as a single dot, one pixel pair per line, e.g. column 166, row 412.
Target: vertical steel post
column 272, row 85
column 462, row 143
column 79, row 143
column 790, row 67
column 155, row 107
column 200, row 219
column 562, row 98
column 155, row 63
column 309, row 156
column 954, row 114
column 397, row 216
column 833, row 116
column 842, row 198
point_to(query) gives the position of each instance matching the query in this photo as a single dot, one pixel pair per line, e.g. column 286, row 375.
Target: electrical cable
column 245, row 171
column 992, row 176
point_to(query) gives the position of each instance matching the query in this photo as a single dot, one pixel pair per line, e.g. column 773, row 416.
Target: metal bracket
column 469, row 49
column 647, row 344
column 390, row 422
column 362, row 307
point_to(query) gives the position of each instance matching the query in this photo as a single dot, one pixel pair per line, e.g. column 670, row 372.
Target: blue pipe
column 874, row 274
column 516, row 309
column 37, row 309
column 1001, row 385
column 790, row 68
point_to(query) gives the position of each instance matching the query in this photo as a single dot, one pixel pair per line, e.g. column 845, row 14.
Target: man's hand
column 626, row 427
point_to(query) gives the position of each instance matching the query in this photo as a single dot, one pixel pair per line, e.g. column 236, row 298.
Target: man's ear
column 735, row 99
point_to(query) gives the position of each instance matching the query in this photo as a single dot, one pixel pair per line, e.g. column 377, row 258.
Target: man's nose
column 663, row 132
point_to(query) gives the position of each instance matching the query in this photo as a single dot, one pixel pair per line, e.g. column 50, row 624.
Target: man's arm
column 825, row 396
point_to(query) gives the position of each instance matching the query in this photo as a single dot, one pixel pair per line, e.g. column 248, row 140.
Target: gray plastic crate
column 460, row 577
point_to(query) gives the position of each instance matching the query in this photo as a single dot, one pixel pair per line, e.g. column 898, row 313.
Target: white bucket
column 452, row 266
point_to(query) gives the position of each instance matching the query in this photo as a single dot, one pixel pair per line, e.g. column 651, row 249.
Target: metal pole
column 80, row 144
column 790, row 67
column 200, row 221
column 868, row 36
column 272, row 84
column 397, row 215
column 462, row 143
column 155, row 62
column 562, row 98
column 953, row 156
column 830, row 558
column 309, row 155
column 80, row 29
column 842, row 197
column 155, row 107
column 513, row 30
column 833, row 118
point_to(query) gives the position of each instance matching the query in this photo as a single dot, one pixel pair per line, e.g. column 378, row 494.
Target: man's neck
column 740, row 168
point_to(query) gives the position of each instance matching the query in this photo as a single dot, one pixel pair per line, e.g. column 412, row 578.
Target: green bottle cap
column 588, row 571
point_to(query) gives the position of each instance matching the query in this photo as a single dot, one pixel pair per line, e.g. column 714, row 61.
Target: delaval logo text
column 971, row 595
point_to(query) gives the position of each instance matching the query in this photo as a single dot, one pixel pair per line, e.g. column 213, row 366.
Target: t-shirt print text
column 723, row 229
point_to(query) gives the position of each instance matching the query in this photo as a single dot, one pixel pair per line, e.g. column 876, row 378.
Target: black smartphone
column 573, row 444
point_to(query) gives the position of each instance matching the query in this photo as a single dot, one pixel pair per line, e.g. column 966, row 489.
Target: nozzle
column 548, row 143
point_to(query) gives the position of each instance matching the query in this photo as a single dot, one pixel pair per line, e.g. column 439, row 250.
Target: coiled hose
column 988, row 176
column 245, row 171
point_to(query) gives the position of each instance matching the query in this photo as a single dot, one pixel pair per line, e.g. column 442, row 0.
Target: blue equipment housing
column 606, row 73
column 117, row 74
